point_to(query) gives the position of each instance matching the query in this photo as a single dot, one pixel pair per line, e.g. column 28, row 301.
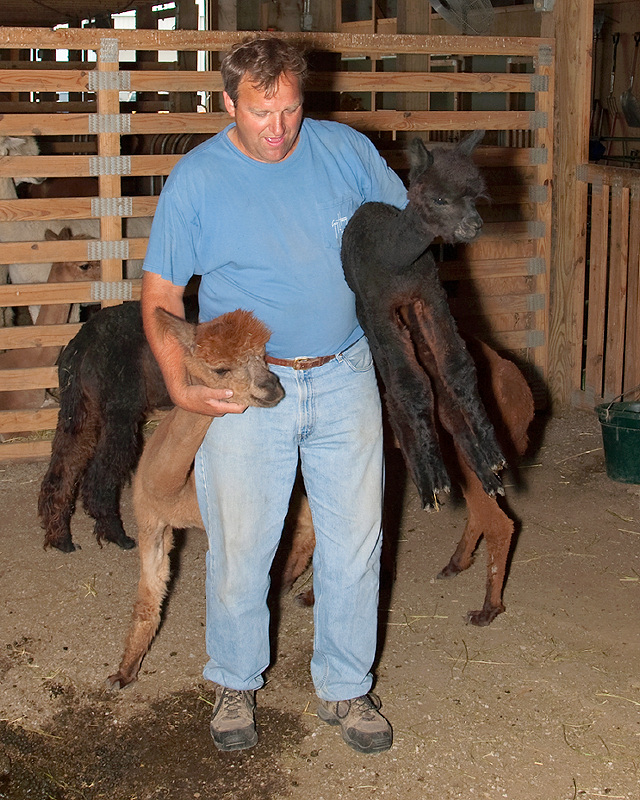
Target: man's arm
column 160, row 293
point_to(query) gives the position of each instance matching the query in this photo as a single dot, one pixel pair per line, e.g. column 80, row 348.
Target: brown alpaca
column 228, row 352
column 509, row 404
column 56, row 314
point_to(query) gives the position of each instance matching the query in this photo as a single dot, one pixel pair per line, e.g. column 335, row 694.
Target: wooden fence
column 609, row 362
column 498, row 285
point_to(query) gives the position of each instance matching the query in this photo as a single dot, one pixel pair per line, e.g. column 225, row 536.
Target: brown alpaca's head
column 227, row 353
column 444, row 185
column 62, row 271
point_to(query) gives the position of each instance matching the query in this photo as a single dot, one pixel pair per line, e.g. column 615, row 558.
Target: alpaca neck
column 408, row 238
column 7, row 189
column 56, row 314
column 170, row 453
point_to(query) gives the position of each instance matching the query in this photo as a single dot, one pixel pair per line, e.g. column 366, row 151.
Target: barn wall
column 609, row 365
column 498, row 285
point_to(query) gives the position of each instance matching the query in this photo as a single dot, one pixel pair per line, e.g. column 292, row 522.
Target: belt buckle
column 300, row 362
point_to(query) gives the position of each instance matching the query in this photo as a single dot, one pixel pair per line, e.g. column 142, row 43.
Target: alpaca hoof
column 491, row 483
column 432, row 501
column 485, row 616
column 119, row 681
column 306, row 599
column 118, row 537
column 125, row 542
column 63, row 545
column 451, row 570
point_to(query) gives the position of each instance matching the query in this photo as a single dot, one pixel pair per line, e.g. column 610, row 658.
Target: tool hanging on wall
column 630, row 105
column 612, row 102
column 597, row 109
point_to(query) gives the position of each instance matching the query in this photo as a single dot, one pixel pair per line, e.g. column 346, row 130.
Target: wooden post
column 571, row 23
column 413, row 17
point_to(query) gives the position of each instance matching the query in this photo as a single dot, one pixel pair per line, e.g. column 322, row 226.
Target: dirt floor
column 544, row 704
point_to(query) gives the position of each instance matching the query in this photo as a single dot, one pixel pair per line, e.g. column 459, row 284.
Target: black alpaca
column 109, row 381
column 404, row 312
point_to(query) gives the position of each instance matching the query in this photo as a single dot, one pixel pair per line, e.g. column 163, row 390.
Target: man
column 258, row 211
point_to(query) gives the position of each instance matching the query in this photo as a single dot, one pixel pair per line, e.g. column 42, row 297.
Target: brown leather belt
column 302, row 362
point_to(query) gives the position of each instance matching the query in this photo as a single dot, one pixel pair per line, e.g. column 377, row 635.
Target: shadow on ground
column 86, row 754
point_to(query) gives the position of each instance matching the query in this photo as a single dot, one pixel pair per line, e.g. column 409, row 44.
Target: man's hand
column 160, row 293
column 210, row 402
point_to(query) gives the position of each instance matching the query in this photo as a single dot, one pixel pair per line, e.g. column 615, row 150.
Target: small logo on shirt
column 338, row 226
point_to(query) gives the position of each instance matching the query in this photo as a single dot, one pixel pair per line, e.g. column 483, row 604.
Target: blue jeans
column 245, row 470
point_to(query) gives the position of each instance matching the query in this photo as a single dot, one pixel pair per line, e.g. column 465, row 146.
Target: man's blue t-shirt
column 266, row 237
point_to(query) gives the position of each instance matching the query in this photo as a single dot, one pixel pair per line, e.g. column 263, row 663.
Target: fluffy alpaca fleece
column 429, row 375
column 509, row 403
column 109, row 381
column 403, row 307
column 228, row 352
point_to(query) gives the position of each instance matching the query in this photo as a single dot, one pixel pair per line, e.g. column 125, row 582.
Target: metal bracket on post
column 543, row 5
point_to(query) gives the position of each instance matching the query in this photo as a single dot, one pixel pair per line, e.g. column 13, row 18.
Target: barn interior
column 540, row 704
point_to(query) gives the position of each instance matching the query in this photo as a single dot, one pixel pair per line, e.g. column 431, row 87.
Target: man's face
column 267, row 128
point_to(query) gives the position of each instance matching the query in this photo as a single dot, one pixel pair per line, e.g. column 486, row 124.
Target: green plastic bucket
column 620, row 424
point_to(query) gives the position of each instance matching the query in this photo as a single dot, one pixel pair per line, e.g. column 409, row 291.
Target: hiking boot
column 362, row 726
column 233, row 726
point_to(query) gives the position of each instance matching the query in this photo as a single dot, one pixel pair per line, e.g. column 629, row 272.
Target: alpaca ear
column 13, row 144
column 50, row 236
column 469, row 144
column 420, row 159
column 181, row 330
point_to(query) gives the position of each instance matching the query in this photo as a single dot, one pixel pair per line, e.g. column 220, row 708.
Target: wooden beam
column 571, row 23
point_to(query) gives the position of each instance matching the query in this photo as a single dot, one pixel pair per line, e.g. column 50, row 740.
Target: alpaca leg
column 485, row 517
column 116, row 456
column 70, row 454
column 409, row 399
column 463, row 557
column 154, row 546
column 302, row 546
column 434, row 333
column 497, row 535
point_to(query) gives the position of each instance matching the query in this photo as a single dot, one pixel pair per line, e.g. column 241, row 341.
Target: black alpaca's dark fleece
column 403, row 310
column 109, row 381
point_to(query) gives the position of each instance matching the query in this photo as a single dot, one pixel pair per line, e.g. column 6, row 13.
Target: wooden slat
column 599, row 174
column 498, row 248
column 499, row 268
column 24, row 336
column 504, row 322
column 39, row 450
column 598, row 251
column 88, row 39
column 42, row 419
column 78, row 124
column 71, row 250
column 632, row 336
column 55, row 80
column 29, row 378
column 433, row 120
column 28, row 294
column 544, row 141
column 487, row 306
column 79, row 166
column 65, row 208
column 496, row 286
column 617, row 294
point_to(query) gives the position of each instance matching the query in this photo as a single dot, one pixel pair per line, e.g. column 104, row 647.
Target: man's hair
column 263, row 60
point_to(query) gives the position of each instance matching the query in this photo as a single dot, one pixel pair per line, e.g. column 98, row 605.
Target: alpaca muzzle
column 270, row 392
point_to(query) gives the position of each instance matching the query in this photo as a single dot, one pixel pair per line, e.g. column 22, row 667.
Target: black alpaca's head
column 444, row 185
